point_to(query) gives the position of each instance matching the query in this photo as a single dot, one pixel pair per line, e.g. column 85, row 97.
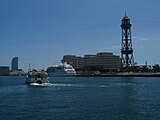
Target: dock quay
column 126, row 74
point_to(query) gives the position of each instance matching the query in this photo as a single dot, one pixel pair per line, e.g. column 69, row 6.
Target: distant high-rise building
column 14, row 64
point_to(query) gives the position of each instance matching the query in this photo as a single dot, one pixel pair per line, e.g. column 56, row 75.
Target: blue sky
column 40, row 32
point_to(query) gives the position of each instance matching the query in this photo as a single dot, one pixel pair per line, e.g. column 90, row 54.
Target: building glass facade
column 14, row 64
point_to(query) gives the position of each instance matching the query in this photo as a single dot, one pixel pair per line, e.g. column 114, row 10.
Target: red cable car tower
column 126, row 46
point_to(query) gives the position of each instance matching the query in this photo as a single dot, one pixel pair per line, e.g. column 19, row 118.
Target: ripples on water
column 80, row 98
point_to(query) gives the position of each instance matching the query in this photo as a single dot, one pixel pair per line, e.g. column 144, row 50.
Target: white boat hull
column 39, row 81
column 60, row 74
column 63, row 70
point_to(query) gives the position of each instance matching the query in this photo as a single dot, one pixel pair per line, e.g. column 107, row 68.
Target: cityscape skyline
column 40, row 32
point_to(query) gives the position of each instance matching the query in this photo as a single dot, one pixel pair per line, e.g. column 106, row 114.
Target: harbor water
column 80, row 98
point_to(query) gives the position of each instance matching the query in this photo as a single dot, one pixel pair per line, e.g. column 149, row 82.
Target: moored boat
column 62, row 70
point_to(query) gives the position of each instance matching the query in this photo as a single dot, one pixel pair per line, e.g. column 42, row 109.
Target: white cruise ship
column 62, row 70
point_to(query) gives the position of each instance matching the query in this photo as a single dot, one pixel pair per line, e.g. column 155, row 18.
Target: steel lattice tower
column 126, row 46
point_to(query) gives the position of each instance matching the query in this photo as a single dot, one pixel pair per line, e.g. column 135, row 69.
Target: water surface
column 81, row 98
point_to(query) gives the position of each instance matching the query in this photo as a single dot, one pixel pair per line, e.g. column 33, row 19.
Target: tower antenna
column 125, row 14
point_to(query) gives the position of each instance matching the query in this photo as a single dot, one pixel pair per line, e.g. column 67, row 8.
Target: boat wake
column 57, row 85
column 81, row 85
column 37, row 84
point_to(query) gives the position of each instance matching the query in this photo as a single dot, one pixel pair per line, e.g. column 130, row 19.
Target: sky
column 40, row 32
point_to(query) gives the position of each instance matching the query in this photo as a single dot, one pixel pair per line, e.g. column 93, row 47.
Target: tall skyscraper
column 14, row 64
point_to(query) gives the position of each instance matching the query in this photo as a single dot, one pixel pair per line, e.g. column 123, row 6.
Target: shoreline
column 124, row 75
column 157, row 74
